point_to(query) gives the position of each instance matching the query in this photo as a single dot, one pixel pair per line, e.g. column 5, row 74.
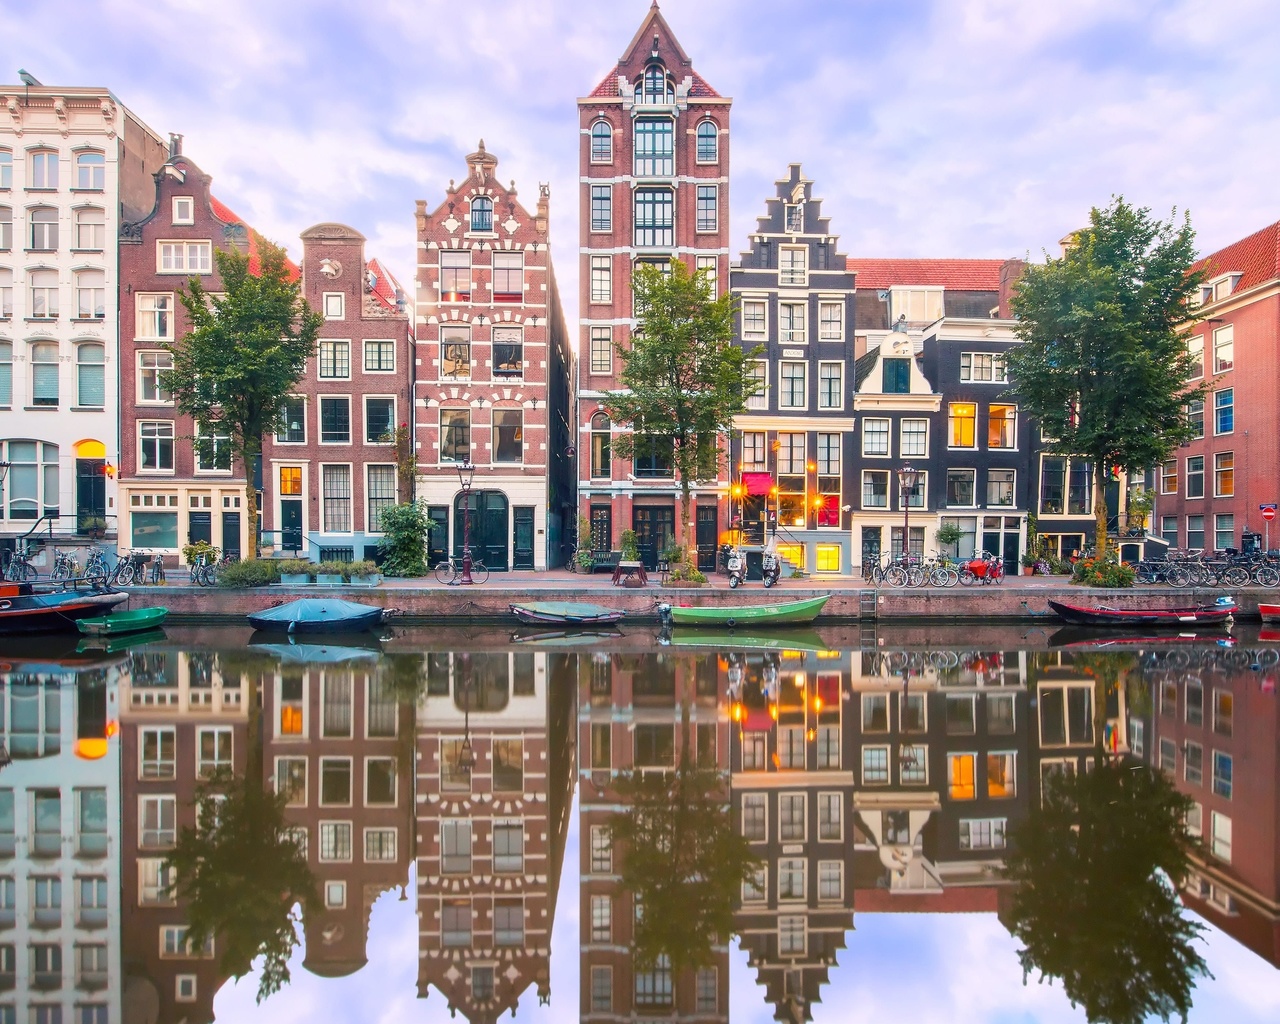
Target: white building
column 74, row 164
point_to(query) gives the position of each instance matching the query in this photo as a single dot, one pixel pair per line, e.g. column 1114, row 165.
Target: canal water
column 925, row 823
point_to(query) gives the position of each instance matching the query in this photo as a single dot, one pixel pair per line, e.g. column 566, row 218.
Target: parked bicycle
column 65, row 567
column 449, row 572
column 985, row 568
column 18, row 567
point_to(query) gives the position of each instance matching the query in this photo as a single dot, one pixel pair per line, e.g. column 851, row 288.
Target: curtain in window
column 92, row 373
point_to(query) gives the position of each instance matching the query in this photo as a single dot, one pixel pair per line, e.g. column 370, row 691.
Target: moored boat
column 784, row 613
column 137, row 620
column 317, row 615
column 1269, row 612
column 120, row 642
column 803, row 640
column 1218, row 613
column 24, row 610
column 565, row 613
column 568, row 637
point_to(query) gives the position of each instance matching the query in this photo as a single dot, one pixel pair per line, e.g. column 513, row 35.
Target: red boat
column 1218, row 613
column 24, row 609
column 1269, row 612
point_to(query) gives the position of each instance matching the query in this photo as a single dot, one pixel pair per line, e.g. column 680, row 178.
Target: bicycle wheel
column 1235, row 576
column 124, row 574
column 895, row 576
column 445, row 573
column 1266, row 576
column 1177, row 576
column 916, row 576
column 26, row 572
column 967, row 578
column 61, row 571
column 1198, row 573
column 479, row 573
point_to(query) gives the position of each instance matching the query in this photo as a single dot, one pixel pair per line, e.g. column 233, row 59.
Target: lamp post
column 908, row 476
column 466, row 755
column 466, row 473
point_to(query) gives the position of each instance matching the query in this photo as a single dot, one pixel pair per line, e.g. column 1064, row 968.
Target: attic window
column 184, row 210
column 795, row 218
column 656, row 85
column 1222, row 287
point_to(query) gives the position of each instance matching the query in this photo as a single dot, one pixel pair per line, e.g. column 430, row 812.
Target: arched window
column 708, row 142
column 656, row 86
column 6, row 169
column 44, row 294
column 91, row 375
column 6, row 372
column 601, row 143
column 91, row 294
column 44, row 228
column 44, row 373
column 91, row 171
column 482, row 214
column 601, row 449
column 6, row 229
column 44, row 169
column 91, row 229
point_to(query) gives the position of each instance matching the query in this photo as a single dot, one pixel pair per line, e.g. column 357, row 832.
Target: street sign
column 1268, row 512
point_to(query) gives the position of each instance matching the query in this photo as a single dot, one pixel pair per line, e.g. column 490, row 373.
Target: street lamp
column 908, row 476
column 466, row 755
column 466, row 473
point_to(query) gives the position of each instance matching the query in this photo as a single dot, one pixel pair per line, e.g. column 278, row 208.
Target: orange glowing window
column 1001, row 777
column 291, row 480
column 290, row 721
column 960, row 776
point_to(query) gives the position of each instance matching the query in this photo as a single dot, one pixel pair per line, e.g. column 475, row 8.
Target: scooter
column 737, row 568
column 771, row 568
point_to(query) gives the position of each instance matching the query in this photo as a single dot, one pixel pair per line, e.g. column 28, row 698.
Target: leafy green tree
column 405, row 529
column 1097, row 864
column 246, row 351
column 239, row 874
column 1103, row 364
column 683, row 380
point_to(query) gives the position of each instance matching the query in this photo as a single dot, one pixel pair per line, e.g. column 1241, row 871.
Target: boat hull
column 1175, row 618
column 53, row 612
column 316, row 615
column 565, row 613
column 1269, row 612
column 118, row 623
column 760, row 616
column 784, row 639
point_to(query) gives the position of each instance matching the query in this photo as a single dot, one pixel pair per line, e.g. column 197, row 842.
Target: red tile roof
column 385, row 285
column 698, row 88
column 225, row 214
column 960, row 275
column 1257, row 257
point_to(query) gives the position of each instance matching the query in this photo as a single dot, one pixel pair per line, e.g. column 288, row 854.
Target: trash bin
column 755, row 565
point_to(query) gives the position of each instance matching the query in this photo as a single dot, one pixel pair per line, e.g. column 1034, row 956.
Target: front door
column 522, row 537
column 601, row 538
column 91, row 495
column 1012, row 556
column 231, row 534
column 655, row 525
column 291, row 524
column 871, row 540
column 437, row 534
column 706, row 534
column 488, row 526
column 199, row 527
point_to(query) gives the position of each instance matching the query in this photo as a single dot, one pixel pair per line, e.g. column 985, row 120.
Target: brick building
column 493, row 373
column 331, row 466
column 654, row 165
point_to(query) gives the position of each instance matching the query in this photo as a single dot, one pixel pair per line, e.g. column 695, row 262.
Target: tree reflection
column 1096, row 906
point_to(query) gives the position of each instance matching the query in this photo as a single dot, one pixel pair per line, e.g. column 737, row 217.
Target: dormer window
column 482, row 214
column 656, row 86
column 184, row 210
column 91, row 171
column 1221, row 288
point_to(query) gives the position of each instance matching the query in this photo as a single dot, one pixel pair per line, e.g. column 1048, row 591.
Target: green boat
column 783, row 639
column 121, row 642
column 137, row 621
column 753, row 616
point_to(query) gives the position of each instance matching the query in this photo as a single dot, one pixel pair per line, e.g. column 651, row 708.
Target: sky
column 943, row 128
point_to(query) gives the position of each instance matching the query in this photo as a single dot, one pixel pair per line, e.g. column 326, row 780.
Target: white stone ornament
column 331, row 269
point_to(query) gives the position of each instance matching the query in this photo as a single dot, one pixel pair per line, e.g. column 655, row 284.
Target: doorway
column 655, row 525
column 488, row 512
column 91, row 495
column 291, row 525
column 706, row 534
column 231, row 535
column 1001, row 535
column 522, row 537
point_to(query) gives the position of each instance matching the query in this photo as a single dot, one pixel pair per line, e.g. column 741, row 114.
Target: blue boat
column 317, row 615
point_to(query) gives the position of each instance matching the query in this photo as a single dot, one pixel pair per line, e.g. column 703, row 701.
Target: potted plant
column 947, row 535
column 1029, row 560
column 190, row 552
column 364, row 574
column 296, row 571
column 630, row 546
column 94, row 526
column 684, row 575
column 332, row 574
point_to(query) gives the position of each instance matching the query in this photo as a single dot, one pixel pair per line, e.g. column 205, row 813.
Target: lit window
column 1002, row 429
column 1169, row 477
column 960, row 777
column 1002, row 780
column 961, row 422
column 1224, row 475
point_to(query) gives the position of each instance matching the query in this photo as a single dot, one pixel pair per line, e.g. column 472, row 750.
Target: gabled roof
column 655, row 20
column 957, row 274
column 698, row 88
column 225, row 214
column 863, row 366
column 1256, row 257
column 655, row 24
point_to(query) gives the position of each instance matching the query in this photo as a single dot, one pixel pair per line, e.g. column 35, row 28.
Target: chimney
column 544, row 204
column 1010, row 272
column 175, row 145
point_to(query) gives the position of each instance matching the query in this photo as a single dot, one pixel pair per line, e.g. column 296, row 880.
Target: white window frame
column 838, row 333
column 219, row 732
column 793, row 335
column 902, row 438
column 159, row 732
column 827, row 870
column 602, row 274
column 158, row 470
column 763, row 331
column 196, row 257
column 760, row 400
column 838, row 378
column 783, row 403
column 996, row 373
column 336, row 826
column 1222, row 338
column 862, row 492
column 184, row 210
column 793, row 276
column 888, row 439
column 334, row 305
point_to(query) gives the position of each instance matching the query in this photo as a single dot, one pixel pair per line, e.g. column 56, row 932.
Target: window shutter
column 44, row 383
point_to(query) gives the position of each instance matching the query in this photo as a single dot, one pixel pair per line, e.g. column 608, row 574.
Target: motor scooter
column 771, row 568
column 737, row 568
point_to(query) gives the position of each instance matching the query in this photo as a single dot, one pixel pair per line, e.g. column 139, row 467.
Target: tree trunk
column 1100, row 507
column 251, row 502
column 685, row 500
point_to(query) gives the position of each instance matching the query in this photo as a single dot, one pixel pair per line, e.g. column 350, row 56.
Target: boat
column 565, row 637
column 1086, row 638
column 114, row 644
column 137, row 620
column 1218, row 613
column 335, row 650
column 23, row 609
column 1269, row 612
column 785, row 613
column 802, row 640
column 565, row 613
column 317, row 615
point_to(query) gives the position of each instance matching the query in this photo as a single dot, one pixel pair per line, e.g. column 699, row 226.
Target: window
column 707, row 219
column 1224, row 530
column 46, row 901
column 961, row 419
column 335, row 841
column 1169, row 477
column 708, row 142
column 91, row 822
column 336, row 495
column 601, row 143
column 601, row 919
column 830, row 818
column 793, row 218
column 1002, row 781
column 508, row 846
column 335, row 420
column 455, row 435
column 379, row 356
column 1221, row 841
column 1222, row 770
column 896, row 376
column 1195, row 349
column 875, row 766
column 1169, row 530
column 1002, row 429
column 654, row 147
column 654, row 217
column 482, row 214
column 508, row 435
column 508, row 922
column 185, row 258
column 455, row 846
column 982, row 366
column 1195, row 531
column 875, row 488
column 455, row 922
column 1000, row 488
column 335, row 360
column 960, row 777
column 601, row 447
column 830, row 321
column 379, row 845
column 601, row 279
column 1195, row 417
column 155, row 317
column 91, row 379
column 791, row 326
column 918, row 305
column 6, row 293
column 791, row 872
column 44, row 169
column 602, row 350
column 44, row 374
column 91, row 171
column 753, row 319
column 982, row 834
column 830, row 385
column 791, row 817
column 758, row 377
column 292, row 428
column 91, row 229
column 455, row 275
column 213, row 751
column 381, row 495
column 914, row 440
column 1224, row 476
column 875, row 437
column 753, row 750
column 791, row 937
column 1223, row 348
column 44, row 294
column 960, row 488
column 44, row 229
column 380, row 782
column 6, row 169
column 91, row 908
column 157, row 821
column 1224, row 411
column 155, row 446
column 455, row 353
column 601, row 207
column 706, row 267
column 291, row 779
column 33, row 473
column 508, row 277
column 753, row 450
column 1168, row 755
column 793, row 265
column 157, row 753
column 1195, row 476
column 793, row 386
column 6, row 229
column 184, row 210
column 379, row 420
column 212, row 450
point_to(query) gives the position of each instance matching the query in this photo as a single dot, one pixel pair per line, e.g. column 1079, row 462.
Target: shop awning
column 757, row 483
column 758, row 720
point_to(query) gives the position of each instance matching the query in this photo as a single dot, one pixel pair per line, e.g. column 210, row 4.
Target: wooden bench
column 606, row 560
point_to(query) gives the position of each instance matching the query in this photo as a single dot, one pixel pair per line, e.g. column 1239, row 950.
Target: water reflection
column 779, row 789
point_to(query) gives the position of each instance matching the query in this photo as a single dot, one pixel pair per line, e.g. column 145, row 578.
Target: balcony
column 46, row 917
column 46, row 844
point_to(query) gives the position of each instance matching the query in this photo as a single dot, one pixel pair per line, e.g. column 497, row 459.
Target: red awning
column 757, row 483
column 758, row 720
column 829, row 690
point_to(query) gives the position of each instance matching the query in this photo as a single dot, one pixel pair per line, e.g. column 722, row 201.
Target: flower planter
column 331, row 579
column 295, row 579
column 1028, row 570
column 372, row 580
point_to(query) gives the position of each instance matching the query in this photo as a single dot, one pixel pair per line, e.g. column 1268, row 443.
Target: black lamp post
column 908, row 476
column 466, row 755
column 466, row 473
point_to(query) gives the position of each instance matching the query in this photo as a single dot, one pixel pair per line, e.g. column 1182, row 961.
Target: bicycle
column 18, row 567
column 449, row 572
column 155, row 574
column 65, row 567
